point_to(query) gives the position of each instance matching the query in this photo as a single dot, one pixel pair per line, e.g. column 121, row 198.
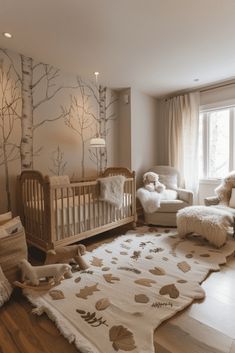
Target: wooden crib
column 55, row 215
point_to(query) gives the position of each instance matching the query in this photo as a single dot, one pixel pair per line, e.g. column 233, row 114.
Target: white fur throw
column 5, row 288
column 209, row 222
column 151, row 200
column 111, row 190
column 35, row 273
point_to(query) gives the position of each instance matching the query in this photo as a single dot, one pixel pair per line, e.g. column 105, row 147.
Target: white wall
column 124, row 113
column 137, row 131
column 162, row 135
column 143, row 133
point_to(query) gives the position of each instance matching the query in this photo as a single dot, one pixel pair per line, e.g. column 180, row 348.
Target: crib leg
column 134, row 225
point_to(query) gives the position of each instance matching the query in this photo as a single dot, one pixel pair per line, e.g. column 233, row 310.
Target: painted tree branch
column 59, row 164
column 9, row 93
column 78, row 118
column 4, row 51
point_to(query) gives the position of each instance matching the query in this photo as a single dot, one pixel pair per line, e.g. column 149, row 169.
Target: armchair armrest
column 185, row 195
column 212, row 200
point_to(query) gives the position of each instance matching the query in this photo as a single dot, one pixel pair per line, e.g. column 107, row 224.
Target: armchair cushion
column 185, row 195
column 211, row 201
column 171, row 206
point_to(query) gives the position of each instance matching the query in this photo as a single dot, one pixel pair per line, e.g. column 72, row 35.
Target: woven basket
column 13, row 248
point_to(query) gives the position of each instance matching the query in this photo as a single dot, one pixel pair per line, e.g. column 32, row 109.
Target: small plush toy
column 151, row 182
column 35, row 273
column 67, row 254
column 224, row 190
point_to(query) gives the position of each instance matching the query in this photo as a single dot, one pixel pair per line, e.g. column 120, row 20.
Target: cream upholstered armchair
column 166, row 213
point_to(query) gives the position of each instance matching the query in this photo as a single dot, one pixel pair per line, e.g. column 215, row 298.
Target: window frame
column 205, row 110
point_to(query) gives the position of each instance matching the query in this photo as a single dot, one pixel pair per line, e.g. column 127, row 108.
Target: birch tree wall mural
column 47, row 118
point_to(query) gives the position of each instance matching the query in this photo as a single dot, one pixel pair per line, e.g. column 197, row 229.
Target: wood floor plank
column 232, row 350
column 31, row 333
column 188, row 335
column 7, row 345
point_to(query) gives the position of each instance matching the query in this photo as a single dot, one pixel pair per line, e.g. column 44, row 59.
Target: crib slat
column 68, row 211
column 56, row 214
column 93, row 206
column 79, row 210
column 89, row 206
column 84, row 208
column 42, row 212
column 62, row 213
column 74, row 210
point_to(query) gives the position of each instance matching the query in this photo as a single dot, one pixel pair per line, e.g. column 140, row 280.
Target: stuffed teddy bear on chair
column 152, row 183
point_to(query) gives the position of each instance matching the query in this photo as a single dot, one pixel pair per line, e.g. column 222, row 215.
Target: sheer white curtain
column 183, row 120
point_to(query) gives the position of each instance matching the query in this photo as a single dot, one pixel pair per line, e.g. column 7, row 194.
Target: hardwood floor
column 206, row 326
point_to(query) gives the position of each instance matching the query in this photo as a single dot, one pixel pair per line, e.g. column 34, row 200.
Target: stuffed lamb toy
column 35, row 273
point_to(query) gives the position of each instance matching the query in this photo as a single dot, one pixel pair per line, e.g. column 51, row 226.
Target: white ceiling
column 156, row 46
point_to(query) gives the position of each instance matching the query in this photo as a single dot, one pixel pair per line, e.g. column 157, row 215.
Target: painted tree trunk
column 102, row 126
column 7, row 186
column 83, row 158
column 26, row 145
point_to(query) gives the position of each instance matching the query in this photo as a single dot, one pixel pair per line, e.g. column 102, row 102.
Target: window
column 216, row 135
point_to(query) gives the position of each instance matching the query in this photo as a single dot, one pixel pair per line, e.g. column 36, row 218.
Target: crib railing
column 56, row 215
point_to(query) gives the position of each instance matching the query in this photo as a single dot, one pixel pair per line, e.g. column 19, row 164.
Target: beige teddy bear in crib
column 67, row 254
column 35, row 273
column 152, row 183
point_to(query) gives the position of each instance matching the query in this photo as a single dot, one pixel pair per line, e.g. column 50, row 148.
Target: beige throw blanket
column 111, row 190
column 132, row 285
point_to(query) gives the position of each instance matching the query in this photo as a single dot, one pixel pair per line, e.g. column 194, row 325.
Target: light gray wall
column 143, row 133
column 137, row 131
column 162, row 134
column 124, row 133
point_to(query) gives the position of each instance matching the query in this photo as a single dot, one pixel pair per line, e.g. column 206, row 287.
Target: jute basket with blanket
column 13, row 248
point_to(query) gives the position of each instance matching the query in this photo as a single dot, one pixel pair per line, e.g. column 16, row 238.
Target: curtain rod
column 202, row 89
column 209, row 88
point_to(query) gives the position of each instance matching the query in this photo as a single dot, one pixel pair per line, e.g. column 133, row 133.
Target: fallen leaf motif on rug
column 170, row 290
column 87, row 290
column 91, row 318
column 145, row 282
column 116, row 307
column 158, row 271
column 97, row 262
column 102, row 304
column 56, row 294
column 122, row 338
column 110, row 278
column 184, row 266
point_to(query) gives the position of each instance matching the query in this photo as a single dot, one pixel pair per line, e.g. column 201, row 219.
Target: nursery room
column 117, row 176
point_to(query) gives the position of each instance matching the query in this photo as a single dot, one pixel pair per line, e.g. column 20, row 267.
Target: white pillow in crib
column 169, row 195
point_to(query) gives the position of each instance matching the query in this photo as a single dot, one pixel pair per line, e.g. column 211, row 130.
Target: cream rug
column 132, row 285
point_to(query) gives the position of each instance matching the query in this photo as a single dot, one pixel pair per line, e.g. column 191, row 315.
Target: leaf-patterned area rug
column 132, row 285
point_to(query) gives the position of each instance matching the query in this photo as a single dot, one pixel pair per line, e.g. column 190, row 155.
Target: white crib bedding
column 77, row 214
